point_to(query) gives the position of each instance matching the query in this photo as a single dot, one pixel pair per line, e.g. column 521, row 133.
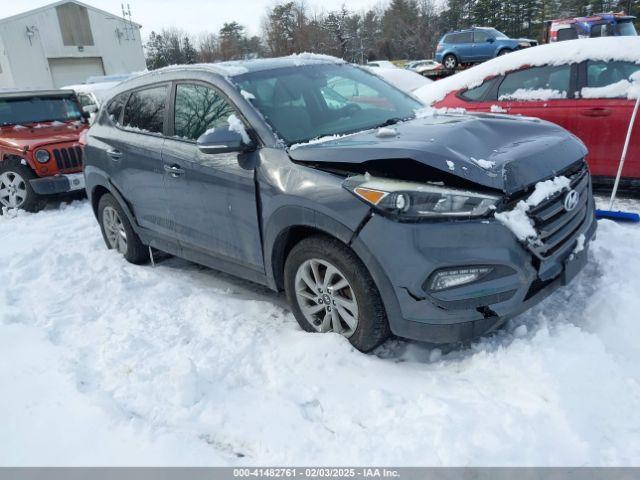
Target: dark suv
column 314, row 176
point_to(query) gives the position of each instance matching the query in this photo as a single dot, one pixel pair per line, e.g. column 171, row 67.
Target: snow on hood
column 560, row 53
column 495, row 151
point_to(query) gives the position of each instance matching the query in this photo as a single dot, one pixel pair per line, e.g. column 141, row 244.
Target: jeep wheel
column 330, row 290
column 504, row 51
column 450, row 62
column 15, row 189
column 117, row 231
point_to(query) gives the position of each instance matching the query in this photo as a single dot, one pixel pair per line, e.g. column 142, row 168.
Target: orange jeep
column 40, row 152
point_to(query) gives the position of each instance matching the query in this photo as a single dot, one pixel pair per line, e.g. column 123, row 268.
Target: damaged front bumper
column 518, row 280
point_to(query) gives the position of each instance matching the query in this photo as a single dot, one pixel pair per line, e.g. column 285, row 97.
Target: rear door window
column 115, row 107
column 466, row 37
column 145, row 110
column 536, row 83
column 199, row 108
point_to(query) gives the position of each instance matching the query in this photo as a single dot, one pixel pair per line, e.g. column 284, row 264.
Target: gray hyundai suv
column 312, row 176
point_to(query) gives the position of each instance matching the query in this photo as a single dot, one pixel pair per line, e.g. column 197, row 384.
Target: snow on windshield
column 560, row 53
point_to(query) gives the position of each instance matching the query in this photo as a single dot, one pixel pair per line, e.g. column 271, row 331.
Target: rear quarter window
column 145, row 110
column 115, row 107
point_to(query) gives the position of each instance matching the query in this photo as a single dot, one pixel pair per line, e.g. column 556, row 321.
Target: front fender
column 280, row 224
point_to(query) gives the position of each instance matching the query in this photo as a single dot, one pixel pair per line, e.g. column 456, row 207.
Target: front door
column 211, row 198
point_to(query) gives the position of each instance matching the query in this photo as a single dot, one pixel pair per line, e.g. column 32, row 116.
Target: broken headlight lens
column 413, row 201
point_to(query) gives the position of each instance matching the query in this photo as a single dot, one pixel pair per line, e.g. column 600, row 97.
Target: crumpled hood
column 495, row 151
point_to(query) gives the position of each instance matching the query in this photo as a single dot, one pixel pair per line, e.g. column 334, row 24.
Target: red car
column 40, row 152
column 581, row 85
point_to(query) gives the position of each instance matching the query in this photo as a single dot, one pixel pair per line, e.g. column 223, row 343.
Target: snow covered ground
column 107, row 363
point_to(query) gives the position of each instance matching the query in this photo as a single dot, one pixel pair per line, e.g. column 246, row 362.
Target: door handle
column 174, row 170
column 114, row 154
column 596, row 112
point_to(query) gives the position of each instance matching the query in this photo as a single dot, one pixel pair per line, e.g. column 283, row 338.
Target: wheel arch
column 288, row 226
column 97, row 187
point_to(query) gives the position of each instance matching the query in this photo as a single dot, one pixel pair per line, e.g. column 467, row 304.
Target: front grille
column 68, row 158
column 553, row 223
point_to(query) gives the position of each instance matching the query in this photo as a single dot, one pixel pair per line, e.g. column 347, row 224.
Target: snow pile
column 451, row 165
column 236, row 125
column 326, row 138
column 306, row 58
column 117, row 364
column 482, row 163
column 534, row 94
column 498, row 109
column 559, row 53
column 386, row 132
column 247, row 95
column 517, row 219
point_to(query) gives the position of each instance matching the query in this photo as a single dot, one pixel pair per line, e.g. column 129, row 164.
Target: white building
column 64, row 43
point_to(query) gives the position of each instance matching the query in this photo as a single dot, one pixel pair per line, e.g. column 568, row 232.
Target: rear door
column 603, row 116
column 544, row 92
column 465, row 47
column 136, row 159
column 211, row 198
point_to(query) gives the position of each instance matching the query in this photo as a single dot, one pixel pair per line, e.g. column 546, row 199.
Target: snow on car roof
column 240, row 67
column 560, row 53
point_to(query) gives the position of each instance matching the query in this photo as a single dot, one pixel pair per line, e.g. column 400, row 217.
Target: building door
column 69, row 71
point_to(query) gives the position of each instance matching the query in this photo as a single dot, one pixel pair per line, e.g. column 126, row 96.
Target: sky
column 194, row 16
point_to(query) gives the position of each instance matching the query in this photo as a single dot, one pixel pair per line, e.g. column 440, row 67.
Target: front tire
column 15, row 189
column 450, row 62
column 330, row 290
column 504, row 51
column 117, row 231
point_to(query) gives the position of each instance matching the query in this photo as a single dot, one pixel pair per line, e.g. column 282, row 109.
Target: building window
column 74, row 24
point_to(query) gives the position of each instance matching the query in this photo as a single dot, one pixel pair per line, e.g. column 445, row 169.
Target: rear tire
column 330, row 290
column 15, row 189
column 118, row 233
column 450, row 61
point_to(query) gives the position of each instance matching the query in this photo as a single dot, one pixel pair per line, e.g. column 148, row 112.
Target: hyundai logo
column 571, row 200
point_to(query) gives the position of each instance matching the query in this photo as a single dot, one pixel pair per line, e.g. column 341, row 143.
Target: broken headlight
column 413, row 201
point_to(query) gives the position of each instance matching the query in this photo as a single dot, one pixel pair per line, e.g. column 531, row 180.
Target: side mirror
column 90, row 108
column 224, row 140
column 85, row 115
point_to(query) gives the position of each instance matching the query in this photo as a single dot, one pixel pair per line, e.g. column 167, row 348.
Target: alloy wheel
column 326, row 298
column 13, row 190
column 450, row 63
column 114, row 229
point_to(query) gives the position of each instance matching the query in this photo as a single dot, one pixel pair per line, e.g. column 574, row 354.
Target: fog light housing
column 455, row 277
column 42, row 156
